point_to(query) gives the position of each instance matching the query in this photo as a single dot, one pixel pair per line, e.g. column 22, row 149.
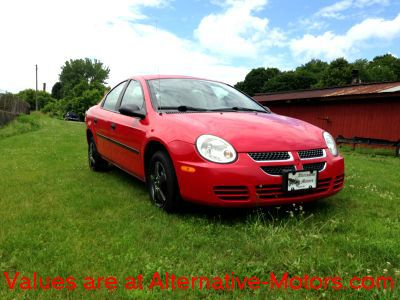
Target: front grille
column 275, row 191
column 315, row 153
column 277, row 170
column 267, row 156
column 231, row 193
column 314, row 167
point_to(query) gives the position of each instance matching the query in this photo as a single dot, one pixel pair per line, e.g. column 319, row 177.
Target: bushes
column 78, row 104
column 22, row 124
column 28, row 95
column 56, row 108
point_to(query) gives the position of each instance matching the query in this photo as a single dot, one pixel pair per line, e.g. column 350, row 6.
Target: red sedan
column 204, row 141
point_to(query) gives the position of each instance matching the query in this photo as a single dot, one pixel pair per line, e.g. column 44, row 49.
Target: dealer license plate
column 300, row 180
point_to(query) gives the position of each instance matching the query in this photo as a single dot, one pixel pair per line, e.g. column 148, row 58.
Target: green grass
column 58, row 218
column 369, row 150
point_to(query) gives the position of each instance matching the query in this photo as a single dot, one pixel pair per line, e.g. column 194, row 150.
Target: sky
column 215, row 39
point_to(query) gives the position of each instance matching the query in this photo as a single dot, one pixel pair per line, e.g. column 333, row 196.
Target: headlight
column 215, row 149
column 330, row 143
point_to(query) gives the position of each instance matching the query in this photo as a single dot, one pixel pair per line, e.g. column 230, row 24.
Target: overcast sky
column 216, row 39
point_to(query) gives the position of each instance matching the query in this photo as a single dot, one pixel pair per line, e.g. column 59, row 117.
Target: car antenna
column 158, row 69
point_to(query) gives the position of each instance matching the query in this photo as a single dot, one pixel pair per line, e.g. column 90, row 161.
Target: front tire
column 162, row 182
column 96, row 162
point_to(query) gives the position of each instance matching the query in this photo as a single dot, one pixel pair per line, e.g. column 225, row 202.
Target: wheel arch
column 152, row 147
column 89, row 135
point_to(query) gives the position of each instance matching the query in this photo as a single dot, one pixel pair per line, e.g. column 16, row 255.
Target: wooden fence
column 11, row 107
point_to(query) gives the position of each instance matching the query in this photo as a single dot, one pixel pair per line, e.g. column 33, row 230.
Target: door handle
column 113, row 126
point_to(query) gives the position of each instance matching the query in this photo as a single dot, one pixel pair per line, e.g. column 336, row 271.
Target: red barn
column 366, row 110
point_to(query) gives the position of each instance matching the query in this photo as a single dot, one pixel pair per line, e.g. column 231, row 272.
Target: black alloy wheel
column 162, row 182
column 96, row 162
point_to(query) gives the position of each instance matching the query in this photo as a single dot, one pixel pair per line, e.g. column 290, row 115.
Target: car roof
column 158, row 76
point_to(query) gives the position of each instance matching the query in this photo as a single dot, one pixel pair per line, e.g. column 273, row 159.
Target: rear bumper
column 244, row 184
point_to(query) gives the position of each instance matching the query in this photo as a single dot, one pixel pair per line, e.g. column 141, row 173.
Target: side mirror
column 132, row 111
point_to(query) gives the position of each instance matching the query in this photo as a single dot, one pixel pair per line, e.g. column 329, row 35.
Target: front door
column 130, row 132
column 104, row 122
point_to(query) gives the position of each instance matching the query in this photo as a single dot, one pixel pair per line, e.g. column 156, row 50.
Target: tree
column 313, row 70
column 56, row 91
column 384, row 68
column 337, row 74
column 315, row 66
column 255, row 80
column 381, row 73
column 362, row 66
column 289, row 81
column 241, row 86
column 29, row 96
column 81, row 85
column 87, row 99
column 74, row 72
column 319, row 74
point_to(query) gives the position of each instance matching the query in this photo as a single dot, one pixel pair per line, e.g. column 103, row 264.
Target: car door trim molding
column 133, row 150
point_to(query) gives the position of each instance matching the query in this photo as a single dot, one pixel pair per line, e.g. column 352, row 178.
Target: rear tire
column 162, row 182
column 96, row 162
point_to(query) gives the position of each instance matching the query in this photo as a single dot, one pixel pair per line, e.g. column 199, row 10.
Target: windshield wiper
column 182, row 108
column 238, row 108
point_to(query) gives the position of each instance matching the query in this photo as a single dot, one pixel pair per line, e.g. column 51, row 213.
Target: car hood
column 246, row 132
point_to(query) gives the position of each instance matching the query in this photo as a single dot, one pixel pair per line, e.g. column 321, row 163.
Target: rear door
column 104, row 121
column 130, row 132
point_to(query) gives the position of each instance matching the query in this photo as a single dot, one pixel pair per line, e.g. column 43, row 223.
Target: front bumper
column 244, row 184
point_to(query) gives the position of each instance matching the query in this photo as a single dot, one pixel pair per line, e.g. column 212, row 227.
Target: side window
column 112, row 97
column 133, row 95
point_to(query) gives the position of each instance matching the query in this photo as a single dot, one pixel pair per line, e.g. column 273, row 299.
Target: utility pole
column 36, row 89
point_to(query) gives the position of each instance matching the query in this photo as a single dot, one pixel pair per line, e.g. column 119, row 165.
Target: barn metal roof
column 352, row 90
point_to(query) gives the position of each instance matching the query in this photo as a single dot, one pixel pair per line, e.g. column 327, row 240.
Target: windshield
column 199, row 95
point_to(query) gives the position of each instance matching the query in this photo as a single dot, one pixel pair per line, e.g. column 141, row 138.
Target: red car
column 204, row 141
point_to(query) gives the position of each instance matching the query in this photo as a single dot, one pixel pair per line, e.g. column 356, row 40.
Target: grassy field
column 57, row 218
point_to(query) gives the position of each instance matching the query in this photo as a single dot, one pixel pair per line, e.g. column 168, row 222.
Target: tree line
column 320, row 74
column 82, row 82
column 81, row 85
